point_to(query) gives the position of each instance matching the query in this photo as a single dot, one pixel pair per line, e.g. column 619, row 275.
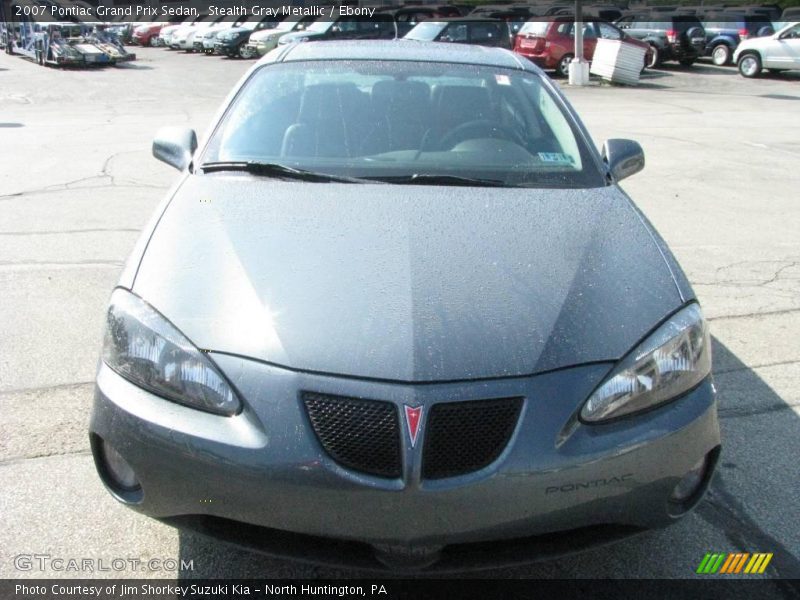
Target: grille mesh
column 462, row 437
column 363, row 435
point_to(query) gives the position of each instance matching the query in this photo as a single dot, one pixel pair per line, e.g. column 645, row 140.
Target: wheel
column 242, row 52
column 153, row 41
column 750, row 65
column 721, row 55
column 562, row 68
column 687, row 62
column 655, row 57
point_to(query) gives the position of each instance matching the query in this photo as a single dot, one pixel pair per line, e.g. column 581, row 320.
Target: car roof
column 401, row 50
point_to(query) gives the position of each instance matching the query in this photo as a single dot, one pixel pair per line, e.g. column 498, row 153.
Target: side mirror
column 175, row 146
column 623, row 157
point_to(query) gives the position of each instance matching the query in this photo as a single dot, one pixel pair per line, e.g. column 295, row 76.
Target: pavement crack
column 736, row 412
column 751, row 367
column 105, row 178
column 753, row 280
column 767, row 313
column 15, row 460
column 46, row 388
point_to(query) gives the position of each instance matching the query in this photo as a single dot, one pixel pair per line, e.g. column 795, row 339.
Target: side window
column 455, row 32
column 609, row 32
column 589, row 32
column 565, row 28
column 625, row 23
column 792, row 34
column 484, row 33
column 345, row 27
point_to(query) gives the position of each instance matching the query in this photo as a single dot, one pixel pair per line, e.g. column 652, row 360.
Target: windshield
column 535, row 28
column 390, row 119
column 426, row 31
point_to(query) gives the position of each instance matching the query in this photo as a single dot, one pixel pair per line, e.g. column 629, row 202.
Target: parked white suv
column 778, row 52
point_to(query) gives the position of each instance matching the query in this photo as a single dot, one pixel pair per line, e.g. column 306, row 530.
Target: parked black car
column 677, row 37
column 466, row 30
column 407, row 17
column 725, row 30
column 380, row 26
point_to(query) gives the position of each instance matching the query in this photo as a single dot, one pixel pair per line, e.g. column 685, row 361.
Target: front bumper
column 226, row 48
column 265, row 467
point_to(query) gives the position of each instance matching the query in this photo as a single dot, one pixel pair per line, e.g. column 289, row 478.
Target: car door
column 783, row 50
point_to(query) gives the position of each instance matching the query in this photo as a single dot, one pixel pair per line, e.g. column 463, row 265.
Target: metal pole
column 578, row 68
column 579, row 30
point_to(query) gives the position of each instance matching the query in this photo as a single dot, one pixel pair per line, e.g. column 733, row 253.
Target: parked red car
column 147, row 34
column 551, row 44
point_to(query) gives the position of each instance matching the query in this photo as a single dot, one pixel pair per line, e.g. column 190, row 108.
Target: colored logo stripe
column 733, row 562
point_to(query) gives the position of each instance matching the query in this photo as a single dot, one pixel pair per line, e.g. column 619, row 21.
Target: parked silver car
column 777, row 52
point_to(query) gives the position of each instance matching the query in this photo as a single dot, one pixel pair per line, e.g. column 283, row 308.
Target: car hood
column 406, row 283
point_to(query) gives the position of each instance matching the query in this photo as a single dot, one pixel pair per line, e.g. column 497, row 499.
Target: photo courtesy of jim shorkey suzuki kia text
column 193, row 590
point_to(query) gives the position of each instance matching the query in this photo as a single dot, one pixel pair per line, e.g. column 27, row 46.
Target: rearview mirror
column 175, row 146
column 623, row 157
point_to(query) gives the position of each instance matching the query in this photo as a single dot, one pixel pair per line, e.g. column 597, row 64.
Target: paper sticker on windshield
column 555, row 157
column 502, row 79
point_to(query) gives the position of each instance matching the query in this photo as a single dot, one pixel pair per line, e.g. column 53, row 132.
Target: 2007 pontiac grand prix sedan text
column 397, row 311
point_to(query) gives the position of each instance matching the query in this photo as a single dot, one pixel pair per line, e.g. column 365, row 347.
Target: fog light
column 690, row 483
column 118, row 469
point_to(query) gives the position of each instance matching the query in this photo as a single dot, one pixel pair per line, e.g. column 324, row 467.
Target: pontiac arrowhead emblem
column 413, row 420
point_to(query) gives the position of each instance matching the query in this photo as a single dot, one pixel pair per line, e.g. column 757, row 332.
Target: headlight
column 671, row 361
column 146, row 349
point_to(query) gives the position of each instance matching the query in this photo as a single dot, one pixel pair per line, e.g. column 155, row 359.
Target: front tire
column 152, row 42
column 749, row 65
column 562, row 68
column 721, row 55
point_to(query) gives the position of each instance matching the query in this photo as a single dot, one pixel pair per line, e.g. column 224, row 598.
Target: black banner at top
column 143, row 11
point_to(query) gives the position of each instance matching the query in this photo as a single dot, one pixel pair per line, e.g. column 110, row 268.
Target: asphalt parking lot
column 77, row 183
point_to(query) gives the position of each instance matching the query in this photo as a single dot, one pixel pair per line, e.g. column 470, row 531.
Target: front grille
column 462, row 437
column 363, row 435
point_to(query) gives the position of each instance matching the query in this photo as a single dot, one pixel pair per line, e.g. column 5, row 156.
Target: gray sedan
column 397, row 311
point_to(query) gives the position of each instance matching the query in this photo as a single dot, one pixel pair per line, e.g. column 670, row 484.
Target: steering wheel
column 479, row 128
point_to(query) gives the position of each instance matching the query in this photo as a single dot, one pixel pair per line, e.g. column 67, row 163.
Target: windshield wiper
column 425, row 179
column 276, row 170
